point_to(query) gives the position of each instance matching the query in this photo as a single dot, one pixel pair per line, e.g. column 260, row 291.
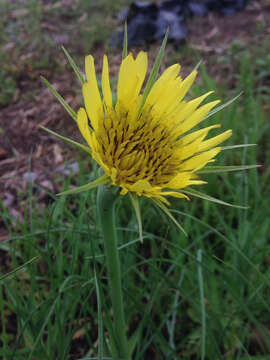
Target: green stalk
column 106, row 212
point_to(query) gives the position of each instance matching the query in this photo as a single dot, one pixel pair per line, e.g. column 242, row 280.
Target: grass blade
column 18, row 268
column 200, row 281
column 125, row 43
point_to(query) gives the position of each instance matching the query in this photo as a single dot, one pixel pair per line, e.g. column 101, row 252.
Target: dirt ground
column 28, row 154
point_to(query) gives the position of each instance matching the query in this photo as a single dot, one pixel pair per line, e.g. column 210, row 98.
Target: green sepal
column 135, row 202
column 168, row 213
column 231, row 147
column 217, row 109
column 219, row 169
column 74, row 66
column 197, row 66
column 69, row 141
column 154, row 73
column 100, row 181
column 60, row 99
column 203, row 196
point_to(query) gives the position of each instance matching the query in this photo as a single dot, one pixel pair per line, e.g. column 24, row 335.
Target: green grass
column 201, row 297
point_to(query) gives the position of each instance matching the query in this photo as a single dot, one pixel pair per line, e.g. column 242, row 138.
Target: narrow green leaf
column 220, row 169
column 100, row 181
column 132, row 342
column 202, row 302
column 136, row 205
column 210, row 198
column 60, row 99
column 69, row 141
column 217, row 109
column 237, row 146
column 18, row 268
column 125, row 43
column 168, row 213
column 154, row 73
column 74, row 66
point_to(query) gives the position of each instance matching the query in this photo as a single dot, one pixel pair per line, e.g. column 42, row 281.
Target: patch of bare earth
column 28, row 154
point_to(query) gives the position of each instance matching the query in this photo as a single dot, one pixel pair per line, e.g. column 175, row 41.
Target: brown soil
column 28, row 153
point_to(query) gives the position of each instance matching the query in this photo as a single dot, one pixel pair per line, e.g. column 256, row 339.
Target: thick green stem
column 106, row 212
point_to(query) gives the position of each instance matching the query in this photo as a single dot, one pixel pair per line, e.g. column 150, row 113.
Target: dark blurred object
column 148, row 21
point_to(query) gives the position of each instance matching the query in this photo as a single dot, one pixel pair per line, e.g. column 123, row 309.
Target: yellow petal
column 127, row 80
column 162, row 84
column 179, row 181
column 197, row 116
column 105, row 82
column 185, row 109
column 175, row 194
column 93, row 103
column 187, row 83
column 208, row 144
column 141, row 65
column 197, row 162
column 189, row 150
column 169, row 96
column 182, row 180
column 82, row 122
column 189, row 138
column 143, row 187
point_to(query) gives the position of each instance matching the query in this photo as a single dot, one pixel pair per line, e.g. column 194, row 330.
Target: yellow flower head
column 144, row 142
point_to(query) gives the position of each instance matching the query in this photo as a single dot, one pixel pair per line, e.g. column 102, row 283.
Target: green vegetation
column 202, row 297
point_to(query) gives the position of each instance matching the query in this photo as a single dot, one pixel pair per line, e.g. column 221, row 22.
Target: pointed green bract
column 230, row 147
column 198, row 194
column 125, row 43
column 197, row 66
column 74, row 66
column 154, row 73
column 100, row 181
column 219, row 169
column 217, row 109
column 168, row 213
column 69, row 141
column 136, row 205
column 60, row 99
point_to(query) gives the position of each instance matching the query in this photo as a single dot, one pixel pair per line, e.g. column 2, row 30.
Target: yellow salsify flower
column 145, row 144
column 144, row 141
